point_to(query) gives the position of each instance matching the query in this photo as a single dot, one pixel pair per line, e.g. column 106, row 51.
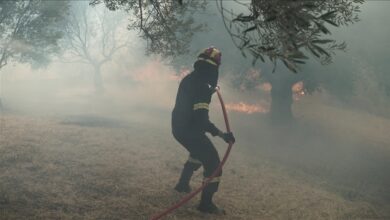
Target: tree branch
column 141, row 16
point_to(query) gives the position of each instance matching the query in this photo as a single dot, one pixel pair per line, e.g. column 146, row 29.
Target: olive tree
column 283, row 32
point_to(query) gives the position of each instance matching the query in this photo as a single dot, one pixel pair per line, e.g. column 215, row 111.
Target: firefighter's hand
column 228, row 137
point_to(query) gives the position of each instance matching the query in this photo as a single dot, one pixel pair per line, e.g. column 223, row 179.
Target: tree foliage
column 288, row 30
column 30, row 30
column 167, row 25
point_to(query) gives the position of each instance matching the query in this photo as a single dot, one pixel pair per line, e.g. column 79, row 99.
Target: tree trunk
column 282, row 100
column 99, row 88
column 1, row 91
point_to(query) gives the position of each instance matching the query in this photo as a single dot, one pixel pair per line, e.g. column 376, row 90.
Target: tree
column 93, row 36
column 167, row 26
column 29, row 31
column 288, row 32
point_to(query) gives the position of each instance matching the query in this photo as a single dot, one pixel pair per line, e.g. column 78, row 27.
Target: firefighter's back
column 182, row 112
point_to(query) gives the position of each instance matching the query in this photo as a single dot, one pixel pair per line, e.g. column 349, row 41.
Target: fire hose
column 208, row 180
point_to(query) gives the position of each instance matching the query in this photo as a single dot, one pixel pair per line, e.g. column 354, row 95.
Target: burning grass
column 247, row 108
column 52, row 170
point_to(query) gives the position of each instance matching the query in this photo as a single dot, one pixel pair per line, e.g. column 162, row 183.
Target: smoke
column 341, row 148
column 63, row 89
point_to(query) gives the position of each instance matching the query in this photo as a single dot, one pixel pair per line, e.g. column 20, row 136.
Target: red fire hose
column 207, row 181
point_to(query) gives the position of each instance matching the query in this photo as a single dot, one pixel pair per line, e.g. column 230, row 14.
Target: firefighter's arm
column 202, row 117
column 201, row 111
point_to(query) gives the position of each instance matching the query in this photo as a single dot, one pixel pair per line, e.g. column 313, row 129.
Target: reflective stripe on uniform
column 193, row 160
column 214, row 180
column 209, row 61
column 201, row 105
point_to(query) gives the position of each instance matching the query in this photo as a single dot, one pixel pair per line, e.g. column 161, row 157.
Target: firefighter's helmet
column 211, row 55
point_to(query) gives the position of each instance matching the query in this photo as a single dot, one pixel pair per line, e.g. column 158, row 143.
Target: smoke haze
column 337, row 144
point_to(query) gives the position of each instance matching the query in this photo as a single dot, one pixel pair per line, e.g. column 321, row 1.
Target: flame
column 297, row 87
column 266, row 87
column 298, row 90
column 246, row 108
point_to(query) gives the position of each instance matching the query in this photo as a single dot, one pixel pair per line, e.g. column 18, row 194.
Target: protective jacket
column 191, row 111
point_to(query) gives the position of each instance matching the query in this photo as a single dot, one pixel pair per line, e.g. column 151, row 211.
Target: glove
column 227, row 137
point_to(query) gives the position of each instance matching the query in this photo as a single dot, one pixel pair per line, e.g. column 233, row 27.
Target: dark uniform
column 190, row 122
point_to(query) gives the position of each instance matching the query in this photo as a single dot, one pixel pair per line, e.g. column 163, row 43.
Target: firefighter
column 190, row 122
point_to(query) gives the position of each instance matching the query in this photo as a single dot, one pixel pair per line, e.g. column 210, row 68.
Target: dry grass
column 345, row 123
column 55, row 170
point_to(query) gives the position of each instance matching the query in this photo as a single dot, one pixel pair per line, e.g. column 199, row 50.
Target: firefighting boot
column 184, row 182
column 206, row 204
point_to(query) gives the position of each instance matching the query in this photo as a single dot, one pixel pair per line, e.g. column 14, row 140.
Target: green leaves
column 331, row 22
column 277, row 29
column 271, row 18
column 322, row 27
column 298, row 55
column 250, row 29
column 281, row 30
column 325, row 41
column 328, row 15
column 290, row 65
column 309, row 5
column 313, row 51
column 321, row 50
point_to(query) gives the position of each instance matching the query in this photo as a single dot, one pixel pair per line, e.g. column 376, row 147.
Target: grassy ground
column 97, row 168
